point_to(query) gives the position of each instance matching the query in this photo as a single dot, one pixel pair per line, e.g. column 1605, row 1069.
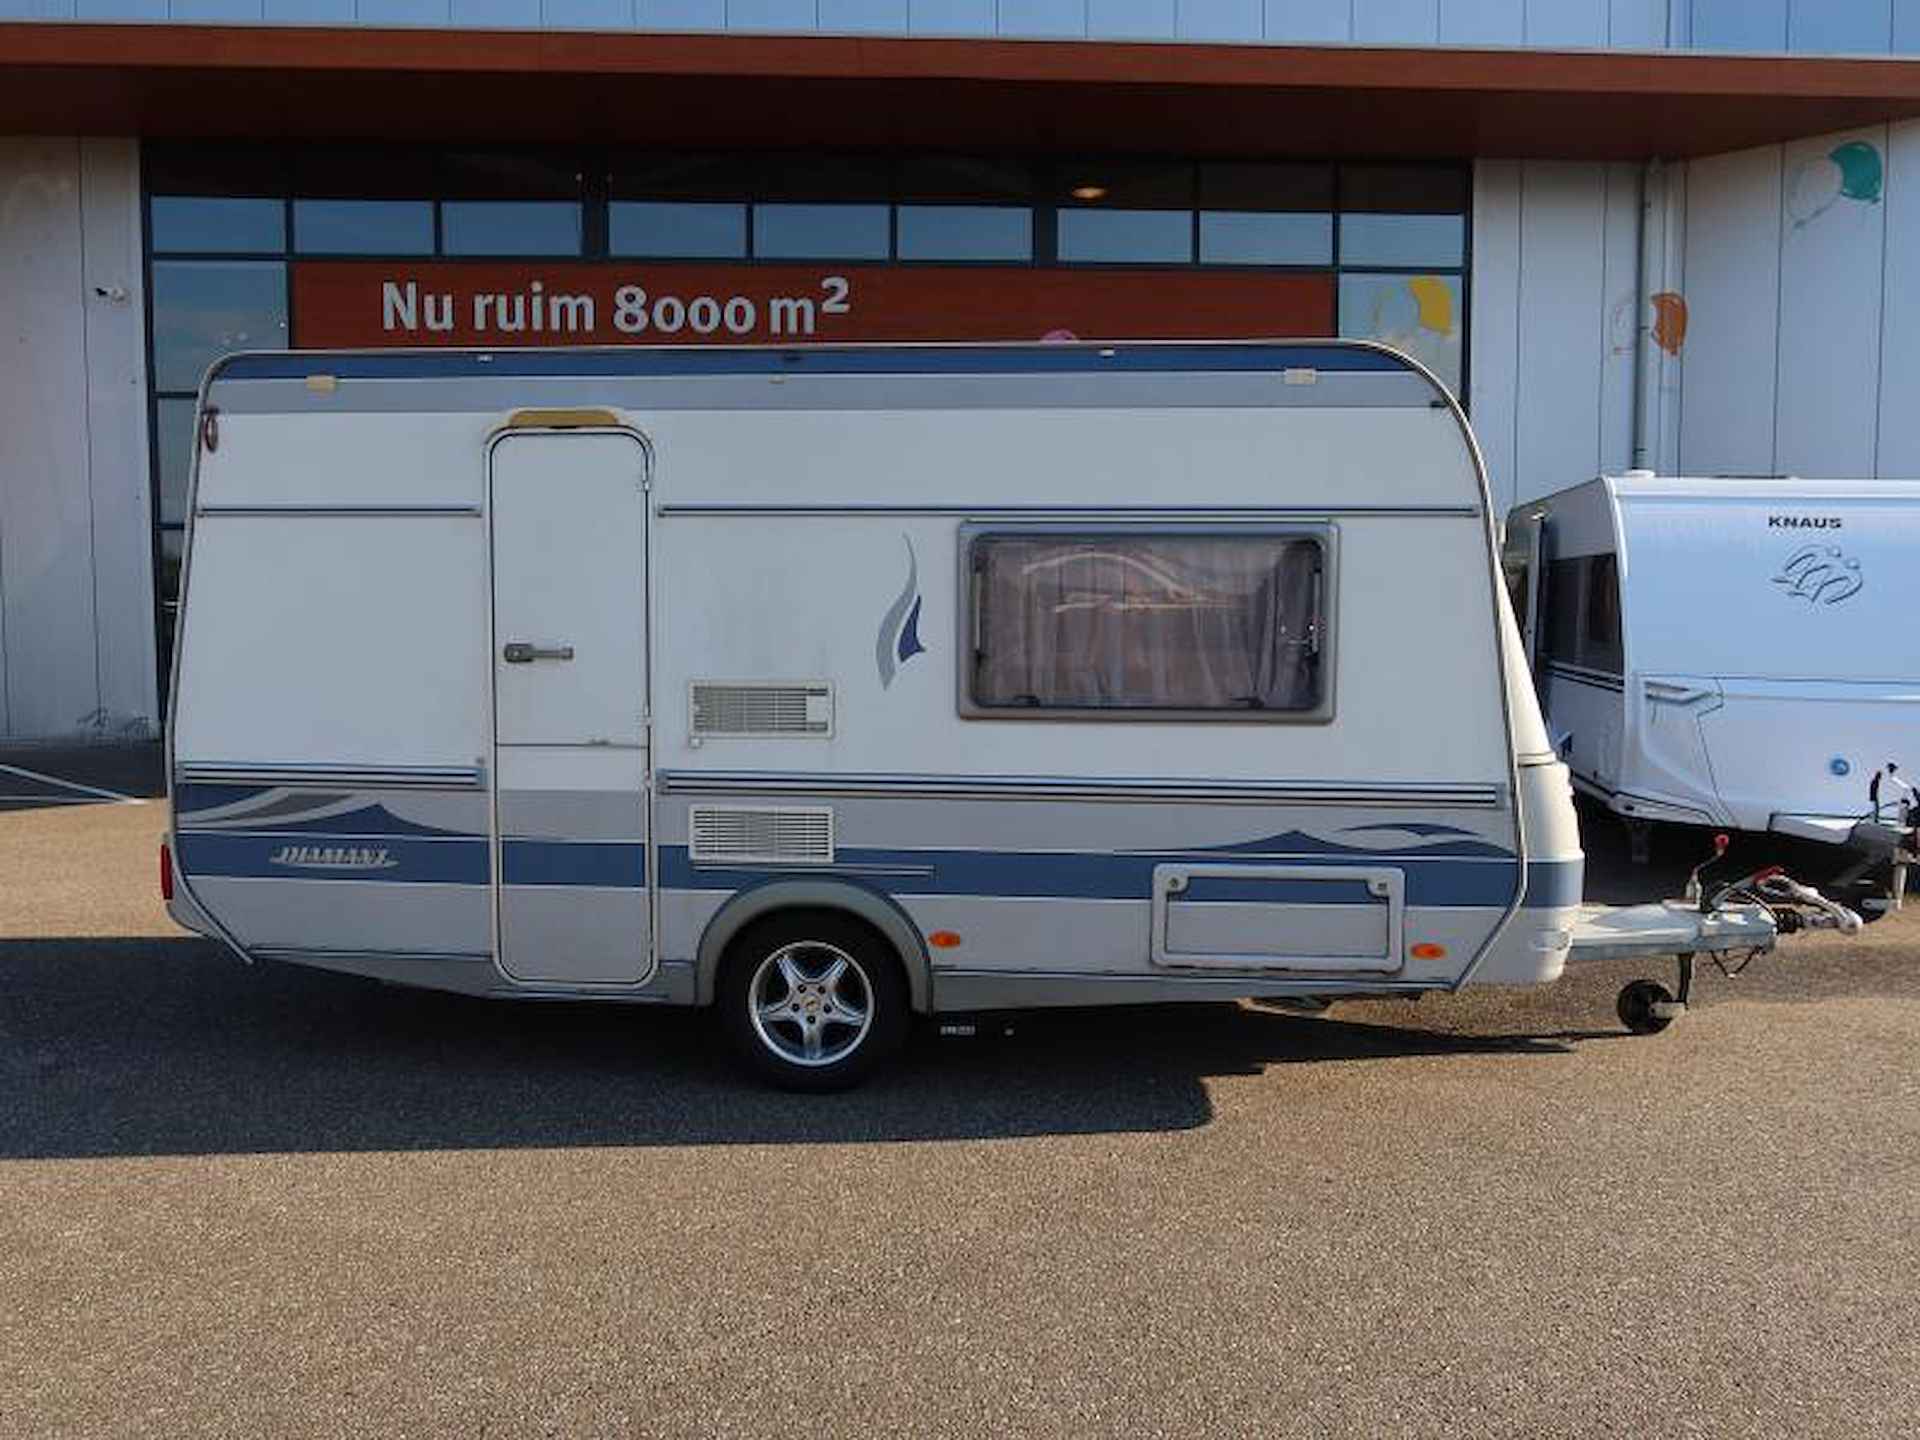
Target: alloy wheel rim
column 810, row 1003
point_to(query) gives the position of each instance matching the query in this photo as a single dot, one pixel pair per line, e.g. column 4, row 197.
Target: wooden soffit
column 267, row 82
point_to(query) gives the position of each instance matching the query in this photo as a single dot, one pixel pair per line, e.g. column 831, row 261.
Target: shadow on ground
column 167, row 1047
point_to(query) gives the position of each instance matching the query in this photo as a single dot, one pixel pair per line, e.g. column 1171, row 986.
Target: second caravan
column 1730, row 653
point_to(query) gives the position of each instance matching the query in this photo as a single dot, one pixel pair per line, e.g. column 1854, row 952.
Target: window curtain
column 1200, row 623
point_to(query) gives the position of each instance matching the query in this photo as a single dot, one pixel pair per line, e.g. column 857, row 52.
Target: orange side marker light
column 1427, row 950
column 943, row 939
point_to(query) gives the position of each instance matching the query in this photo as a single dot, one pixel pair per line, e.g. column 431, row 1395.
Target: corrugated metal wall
column 1791, row 308
column 76, row 613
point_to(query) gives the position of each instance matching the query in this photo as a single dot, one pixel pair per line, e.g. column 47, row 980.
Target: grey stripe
column 403, row 777
column 1085, row 512
column 362, row 512
column 1051, row 788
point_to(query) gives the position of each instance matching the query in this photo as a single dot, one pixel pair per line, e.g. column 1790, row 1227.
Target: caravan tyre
column 812, row 999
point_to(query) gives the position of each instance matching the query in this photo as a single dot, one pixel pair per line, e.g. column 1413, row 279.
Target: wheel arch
column 879, row 911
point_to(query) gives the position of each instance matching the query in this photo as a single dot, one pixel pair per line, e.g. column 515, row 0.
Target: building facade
column 1681, row 235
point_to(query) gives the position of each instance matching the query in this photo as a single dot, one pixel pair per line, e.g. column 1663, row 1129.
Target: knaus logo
column 333, row 857
column 1820, row 575
column 1803, row 522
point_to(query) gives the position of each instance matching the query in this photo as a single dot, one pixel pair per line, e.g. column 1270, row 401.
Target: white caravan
column 1733, row 653
column 838, row 684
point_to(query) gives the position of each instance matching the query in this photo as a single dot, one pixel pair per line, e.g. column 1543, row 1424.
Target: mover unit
column 1734, row 653
column 838, row 684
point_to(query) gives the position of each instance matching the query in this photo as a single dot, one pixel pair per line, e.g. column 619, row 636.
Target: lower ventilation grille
column 771, row 834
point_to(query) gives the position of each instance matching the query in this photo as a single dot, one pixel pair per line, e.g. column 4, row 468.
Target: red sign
column 352, row 303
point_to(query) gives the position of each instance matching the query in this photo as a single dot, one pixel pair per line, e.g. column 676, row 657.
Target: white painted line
column 72, row 785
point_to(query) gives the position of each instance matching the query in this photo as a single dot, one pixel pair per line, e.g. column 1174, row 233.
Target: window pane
column 666, row 227
column 174, row 441
column 363, row 227
column 1123, row 235
column 666, row 175
column 1405, row 189
column 198, row 168
column 203, row 309
column 365, row 172
column 964, row 177
column 1417, row 314
column 510, row 227
column 965, row 232
column 1228, row 623
column 1403, row 239
column 1601, row 650
column 1126, row 184
column 509, row 175
column 1241, row 237
column 1562, row 615
column 1251, row 186
column 220, row 223
column 818, row 177
column 820, row 232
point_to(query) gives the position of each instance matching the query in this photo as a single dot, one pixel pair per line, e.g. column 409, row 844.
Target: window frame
column 1323, row 533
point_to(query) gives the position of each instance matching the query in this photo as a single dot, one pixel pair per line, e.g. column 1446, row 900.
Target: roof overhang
column 265, row 82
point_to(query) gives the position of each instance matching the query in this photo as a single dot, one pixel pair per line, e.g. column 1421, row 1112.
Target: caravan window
column 1582, row 613
column 1600, row 648
column 1563, row 611
column 1131, row 624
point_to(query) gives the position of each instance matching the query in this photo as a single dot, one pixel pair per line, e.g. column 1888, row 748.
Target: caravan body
column 1061, row 674
column 1735, row 653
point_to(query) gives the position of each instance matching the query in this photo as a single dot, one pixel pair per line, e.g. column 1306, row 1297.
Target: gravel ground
column 271, row 1202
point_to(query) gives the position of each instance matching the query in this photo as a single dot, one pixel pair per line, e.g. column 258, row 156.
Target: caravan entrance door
column 568, row 514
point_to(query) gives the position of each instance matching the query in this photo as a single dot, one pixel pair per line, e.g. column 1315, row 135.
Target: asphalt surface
column 263, row 1202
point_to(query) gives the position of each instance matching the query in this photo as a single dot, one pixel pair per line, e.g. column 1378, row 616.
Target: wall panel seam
column 1886, row 239
column 1519, row 306
column 1779, row 301
column 82, row 173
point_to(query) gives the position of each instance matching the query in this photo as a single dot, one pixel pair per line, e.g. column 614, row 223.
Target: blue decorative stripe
column 609, row 863
column 1555, row 884
column 815, row 360
column 254, row 855
column 985, row 874
column 1039, row 875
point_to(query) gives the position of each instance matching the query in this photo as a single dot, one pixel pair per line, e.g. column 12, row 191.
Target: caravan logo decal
column 1820, row 575
column 899, row 638
column 1803, row 522
column 333, row 857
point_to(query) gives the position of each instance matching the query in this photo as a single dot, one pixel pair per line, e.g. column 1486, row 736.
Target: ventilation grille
column 785, row 834
column 747, row 708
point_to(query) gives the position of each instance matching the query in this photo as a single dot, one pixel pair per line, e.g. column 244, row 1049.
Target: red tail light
column 166, row 871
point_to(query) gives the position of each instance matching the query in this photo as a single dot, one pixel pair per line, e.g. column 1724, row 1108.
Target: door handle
column 520, row 652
